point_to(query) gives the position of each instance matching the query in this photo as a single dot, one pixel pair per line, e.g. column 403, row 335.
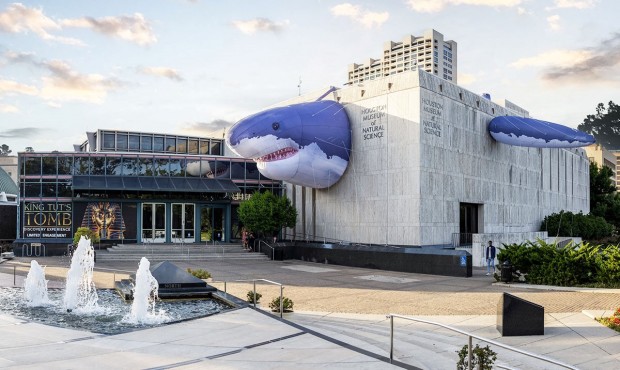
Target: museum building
column 424, row 171
column 134, row 187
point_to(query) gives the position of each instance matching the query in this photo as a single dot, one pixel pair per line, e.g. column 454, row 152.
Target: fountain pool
column 81, row 306
column 108, row 318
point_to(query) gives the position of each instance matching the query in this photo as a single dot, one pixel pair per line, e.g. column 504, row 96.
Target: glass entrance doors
column 182, row 222
column 154, row 222
column 212, row 224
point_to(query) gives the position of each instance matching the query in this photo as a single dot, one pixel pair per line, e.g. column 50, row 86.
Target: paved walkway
column 345, row 307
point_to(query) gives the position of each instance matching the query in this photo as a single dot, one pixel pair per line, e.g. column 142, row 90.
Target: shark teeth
column 278, row 155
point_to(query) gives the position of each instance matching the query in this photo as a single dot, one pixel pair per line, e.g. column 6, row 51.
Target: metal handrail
column 470, row 336
column 273, row 250
column 254, row 282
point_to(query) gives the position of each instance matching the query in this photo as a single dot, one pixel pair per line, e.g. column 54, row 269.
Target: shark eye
column 275, row 126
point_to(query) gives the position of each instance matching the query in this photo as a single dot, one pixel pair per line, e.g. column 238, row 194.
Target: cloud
column 161, row 72
column 62, row 84
column 18, row 18
column 9, row 86
column 466, row 79
column 206, row 128
column 554, row 22
column 22, row 133
column 367, row 18
column 251, row 26
column 433, row 6
column 65, row 84
column 577, row 4
column 7, row 108
column 596, row 64
column 134, row 28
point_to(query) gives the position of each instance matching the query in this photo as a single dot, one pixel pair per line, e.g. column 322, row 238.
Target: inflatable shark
column 520, row 131
column 306, row 144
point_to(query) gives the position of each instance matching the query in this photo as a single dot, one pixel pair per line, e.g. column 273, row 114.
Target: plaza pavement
column 339, row 322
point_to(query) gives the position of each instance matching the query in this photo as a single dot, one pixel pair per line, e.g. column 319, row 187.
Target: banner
column 47, row 220
column 111, row 220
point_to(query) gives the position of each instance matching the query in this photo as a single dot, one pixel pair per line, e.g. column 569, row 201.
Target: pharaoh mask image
column 105, row 219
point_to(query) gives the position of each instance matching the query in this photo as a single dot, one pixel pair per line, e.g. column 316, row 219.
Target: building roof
column 6, row 183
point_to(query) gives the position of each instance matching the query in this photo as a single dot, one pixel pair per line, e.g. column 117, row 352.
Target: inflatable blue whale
column 306, row 144
column 520, row 131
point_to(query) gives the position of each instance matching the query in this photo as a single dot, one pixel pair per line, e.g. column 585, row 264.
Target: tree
column 604, row 125
column 604, row 202
column 266, row 213
column 4, row 150
column 29, row 149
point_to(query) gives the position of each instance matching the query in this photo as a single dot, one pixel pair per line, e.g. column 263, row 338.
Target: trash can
column 506, row 272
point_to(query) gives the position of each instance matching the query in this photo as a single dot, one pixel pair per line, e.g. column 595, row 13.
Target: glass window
column 251, row 171
column 181, row 145
column 158, row 144
column 49, row 165
column 160, row 167
column 108, row 141
column 97, row 166
column 146, row 167
column 237, row 170
column 64, row 188
column 171, row 144
column 33, row 166
column 113, row 166
column 134, row 142
column 48, row 188
column 146, row 143
column 130, row 166
column 216, row 147
column 33, row 189
column 204, row 146
column 64, row 165
column 121, row 142
column 193, row 146
column 82, row 166
column 177, row 167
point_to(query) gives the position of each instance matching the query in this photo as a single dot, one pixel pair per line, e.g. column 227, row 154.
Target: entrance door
column 468, row 222
column 212, row 224
column 183, row 222
column 154, row 222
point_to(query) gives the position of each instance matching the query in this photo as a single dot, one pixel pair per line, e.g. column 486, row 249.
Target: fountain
column 81, row 306
column 80, row 291
column 144, row 297
column 35, row 286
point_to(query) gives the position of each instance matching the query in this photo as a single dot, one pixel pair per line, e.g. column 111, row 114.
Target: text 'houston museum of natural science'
column 414, row 160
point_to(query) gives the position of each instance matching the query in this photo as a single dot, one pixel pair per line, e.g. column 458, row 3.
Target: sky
column 196, row 66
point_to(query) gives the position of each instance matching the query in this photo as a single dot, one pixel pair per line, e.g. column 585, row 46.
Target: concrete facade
column 420, row 149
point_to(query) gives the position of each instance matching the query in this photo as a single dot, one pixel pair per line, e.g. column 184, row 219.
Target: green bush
column 588, row 227
column 199, row 273
column 85, row 231
column 250, row 296
column 584, row 264
column 287, row 304
column 482, row 358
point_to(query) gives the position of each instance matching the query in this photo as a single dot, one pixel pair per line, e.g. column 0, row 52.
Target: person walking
column 490, row 256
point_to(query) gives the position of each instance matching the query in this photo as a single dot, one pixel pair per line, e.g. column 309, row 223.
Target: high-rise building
column 428, row 52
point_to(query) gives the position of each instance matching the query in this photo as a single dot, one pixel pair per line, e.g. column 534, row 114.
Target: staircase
column 177, row 252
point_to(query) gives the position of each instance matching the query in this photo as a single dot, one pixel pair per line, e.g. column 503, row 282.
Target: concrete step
column 172, row 252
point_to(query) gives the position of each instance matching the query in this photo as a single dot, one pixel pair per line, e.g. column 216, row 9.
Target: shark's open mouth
column 278, row 155
column 218, row 172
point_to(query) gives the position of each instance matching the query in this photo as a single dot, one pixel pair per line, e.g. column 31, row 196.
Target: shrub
column 572, row 265
column 85, row 231
column 199, row 273
column 589, row 227
column 287, row 304
column 482, row 358
column 251, row 296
